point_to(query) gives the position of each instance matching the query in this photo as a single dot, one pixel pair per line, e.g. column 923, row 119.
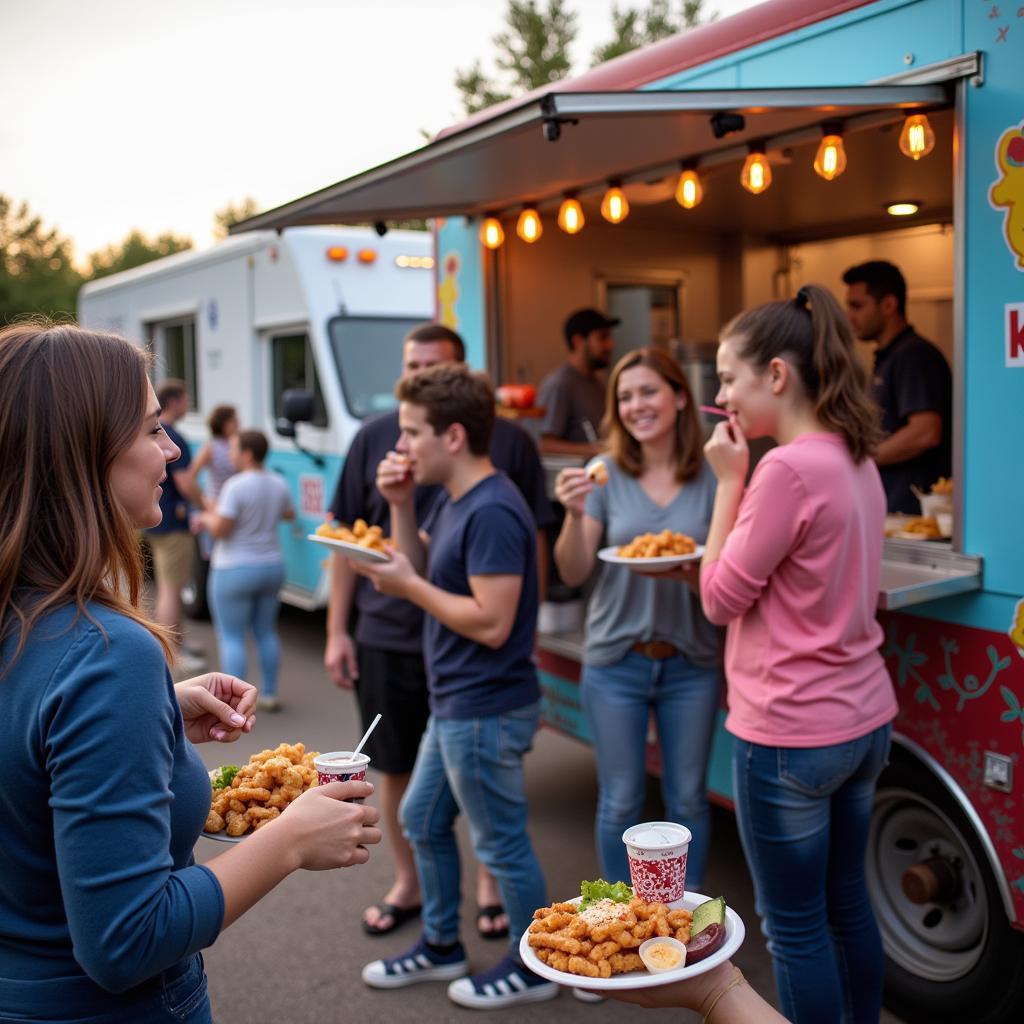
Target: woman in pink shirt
column 792, row 567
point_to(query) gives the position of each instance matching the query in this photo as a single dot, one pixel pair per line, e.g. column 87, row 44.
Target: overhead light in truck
column 492, row 234
column 917, row 138
column 570, row 216
column 614, row 206
column 903, row 208
column 689, row 190
column 756, row 175
column 529, row 227
column 830, row 160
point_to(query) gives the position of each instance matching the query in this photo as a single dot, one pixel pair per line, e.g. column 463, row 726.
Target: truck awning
column 578, row 141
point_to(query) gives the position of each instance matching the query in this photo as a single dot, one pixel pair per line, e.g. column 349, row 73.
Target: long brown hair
column 624, row 448
column 71, row 401
column 812, row 330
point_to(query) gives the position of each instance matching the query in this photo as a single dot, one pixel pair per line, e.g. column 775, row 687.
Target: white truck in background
column 310, row 309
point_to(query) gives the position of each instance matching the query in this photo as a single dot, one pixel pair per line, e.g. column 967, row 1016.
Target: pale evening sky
column 117, row 114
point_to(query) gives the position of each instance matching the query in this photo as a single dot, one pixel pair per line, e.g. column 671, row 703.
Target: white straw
column 366, row 736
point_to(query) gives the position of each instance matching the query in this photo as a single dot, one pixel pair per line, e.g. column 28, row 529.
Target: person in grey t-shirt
column 247, row 566
column 573, row 396
column 648, row 644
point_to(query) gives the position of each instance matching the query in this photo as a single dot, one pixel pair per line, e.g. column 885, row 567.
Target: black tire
column 193, row 594
column 953, row 962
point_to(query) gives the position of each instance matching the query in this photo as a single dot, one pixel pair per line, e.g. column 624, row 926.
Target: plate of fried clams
column 653, row 550
column 359, row 541
column 598, row 948
column 244, row 799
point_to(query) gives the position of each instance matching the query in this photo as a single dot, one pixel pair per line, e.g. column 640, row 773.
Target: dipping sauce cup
column 341, row 766
column 657, row 860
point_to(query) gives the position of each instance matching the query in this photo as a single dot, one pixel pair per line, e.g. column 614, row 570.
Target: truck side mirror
column 297, row 407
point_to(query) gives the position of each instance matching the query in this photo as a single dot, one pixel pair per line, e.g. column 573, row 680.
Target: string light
column 689, row 190
column 614, row 206
column 917, row 138
column 830, row 160
column 570, row 216
column 529, row 227
column 492, row 234
column 757, row 173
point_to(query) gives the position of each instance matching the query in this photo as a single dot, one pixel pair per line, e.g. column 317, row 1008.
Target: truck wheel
column 950, row 953
column 193, row 594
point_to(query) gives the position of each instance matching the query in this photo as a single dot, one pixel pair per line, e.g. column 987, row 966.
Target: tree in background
column 535, row 48
column 36, row 270
column 533, row 51
column 635, row 27
column 135, row 250
column 232, row 213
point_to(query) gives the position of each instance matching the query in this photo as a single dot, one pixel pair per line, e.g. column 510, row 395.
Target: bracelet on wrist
column 736, row 979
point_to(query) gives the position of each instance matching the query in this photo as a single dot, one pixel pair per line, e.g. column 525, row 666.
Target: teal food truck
column 686, row 179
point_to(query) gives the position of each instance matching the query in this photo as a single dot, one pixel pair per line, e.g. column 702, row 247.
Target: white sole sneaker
column 415, row 969
column 463, row 993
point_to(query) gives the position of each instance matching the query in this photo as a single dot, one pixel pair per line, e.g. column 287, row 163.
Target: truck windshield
column 368, row 354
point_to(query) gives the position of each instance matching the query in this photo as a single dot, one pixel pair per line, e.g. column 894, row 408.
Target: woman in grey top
column 648, row 644
column 247, row 566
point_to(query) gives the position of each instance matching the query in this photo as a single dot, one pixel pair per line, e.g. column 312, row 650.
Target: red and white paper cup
column 657, row 860
column 341, row 766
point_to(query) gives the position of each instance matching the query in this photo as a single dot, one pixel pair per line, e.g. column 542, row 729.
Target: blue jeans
column 617, row 700
column 474, row 765
column 244, row 597
column 177, row 996
column 804, row 815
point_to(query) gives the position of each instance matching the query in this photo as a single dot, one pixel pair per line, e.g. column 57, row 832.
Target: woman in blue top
column 648, row 645
column 103, row 910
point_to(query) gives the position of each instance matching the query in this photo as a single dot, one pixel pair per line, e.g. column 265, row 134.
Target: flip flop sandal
column 398, row 915
column 490, row 912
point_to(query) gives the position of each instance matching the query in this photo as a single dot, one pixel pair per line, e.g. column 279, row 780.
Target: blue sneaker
column 507, row 984
column 418, row 964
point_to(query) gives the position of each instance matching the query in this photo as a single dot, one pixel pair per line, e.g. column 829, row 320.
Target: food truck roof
column 516, row 152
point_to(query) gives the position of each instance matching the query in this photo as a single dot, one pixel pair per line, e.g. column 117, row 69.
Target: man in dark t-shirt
column 477, row 583
column 384, row 658
column 912, row 385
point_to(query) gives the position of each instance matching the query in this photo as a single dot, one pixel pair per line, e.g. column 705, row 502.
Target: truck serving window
column 174, row 344
column 368, row 353
column 293, row 367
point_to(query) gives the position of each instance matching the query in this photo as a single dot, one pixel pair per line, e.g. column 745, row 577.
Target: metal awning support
column 575, row 141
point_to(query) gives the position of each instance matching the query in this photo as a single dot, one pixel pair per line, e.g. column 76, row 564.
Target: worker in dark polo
column 573, row 396
column 912, row 385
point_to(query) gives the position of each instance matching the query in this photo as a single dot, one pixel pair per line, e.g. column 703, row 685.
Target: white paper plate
column 734, row 932
column 611, row 554
column 223, row 837
column 349, row 550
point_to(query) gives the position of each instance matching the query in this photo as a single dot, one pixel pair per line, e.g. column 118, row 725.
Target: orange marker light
column 337, row 253
column 367, row 256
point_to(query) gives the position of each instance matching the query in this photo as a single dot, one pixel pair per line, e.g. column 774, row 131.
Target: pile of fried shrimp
column 371, row 537
column 602, row 940
column 262, row 789
column 657, row 545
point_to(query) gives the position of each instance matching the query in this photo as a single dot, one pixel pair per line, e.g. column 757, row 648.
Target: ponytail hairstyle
column 812, row 333
column 71, row 401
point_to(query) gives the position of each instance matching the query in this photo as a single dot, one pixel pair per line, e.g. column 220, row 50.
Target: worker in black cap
column 573, row 396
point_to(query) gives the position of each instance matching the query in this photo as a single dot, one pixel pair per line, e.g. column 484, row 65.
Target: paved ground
column 296, row 957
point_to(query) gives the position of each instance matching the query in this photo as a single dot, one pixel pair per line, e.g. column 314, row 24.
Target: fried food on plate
column 925, row 526
column 658, row 545
column 602, row 939
column 944, row 485
column 247, row 798
column 371, row 537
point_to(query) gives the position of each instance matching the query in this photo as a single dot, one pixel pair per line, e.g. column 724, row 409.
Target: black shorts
column 395, row 685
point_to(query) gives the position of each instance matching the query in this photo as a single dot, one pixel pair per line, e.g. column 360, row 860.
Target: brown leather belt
column 658, row 650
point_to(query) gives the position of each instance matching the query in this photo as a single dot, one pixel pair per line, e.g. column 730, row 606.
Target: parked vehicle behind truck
column 321, row 310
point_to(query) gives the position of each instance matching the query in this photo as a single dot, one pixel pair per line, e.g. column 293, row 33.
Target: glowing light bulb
column 904, row 208
column 529, row 227
column 757, row 173
column 917, row 138
column 689, row 190
column 492, row 234
column 614, row 206
column 830, row 160
column 570, row 216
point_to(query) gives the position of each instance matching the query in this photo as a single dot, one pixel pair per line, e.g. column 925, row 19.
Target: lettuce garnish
column 222, row 776
column 602, row 890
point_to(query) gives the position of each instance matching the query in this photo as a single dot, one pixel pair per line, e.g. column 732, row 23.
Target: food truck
column 675, row 186
column 258, row 315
